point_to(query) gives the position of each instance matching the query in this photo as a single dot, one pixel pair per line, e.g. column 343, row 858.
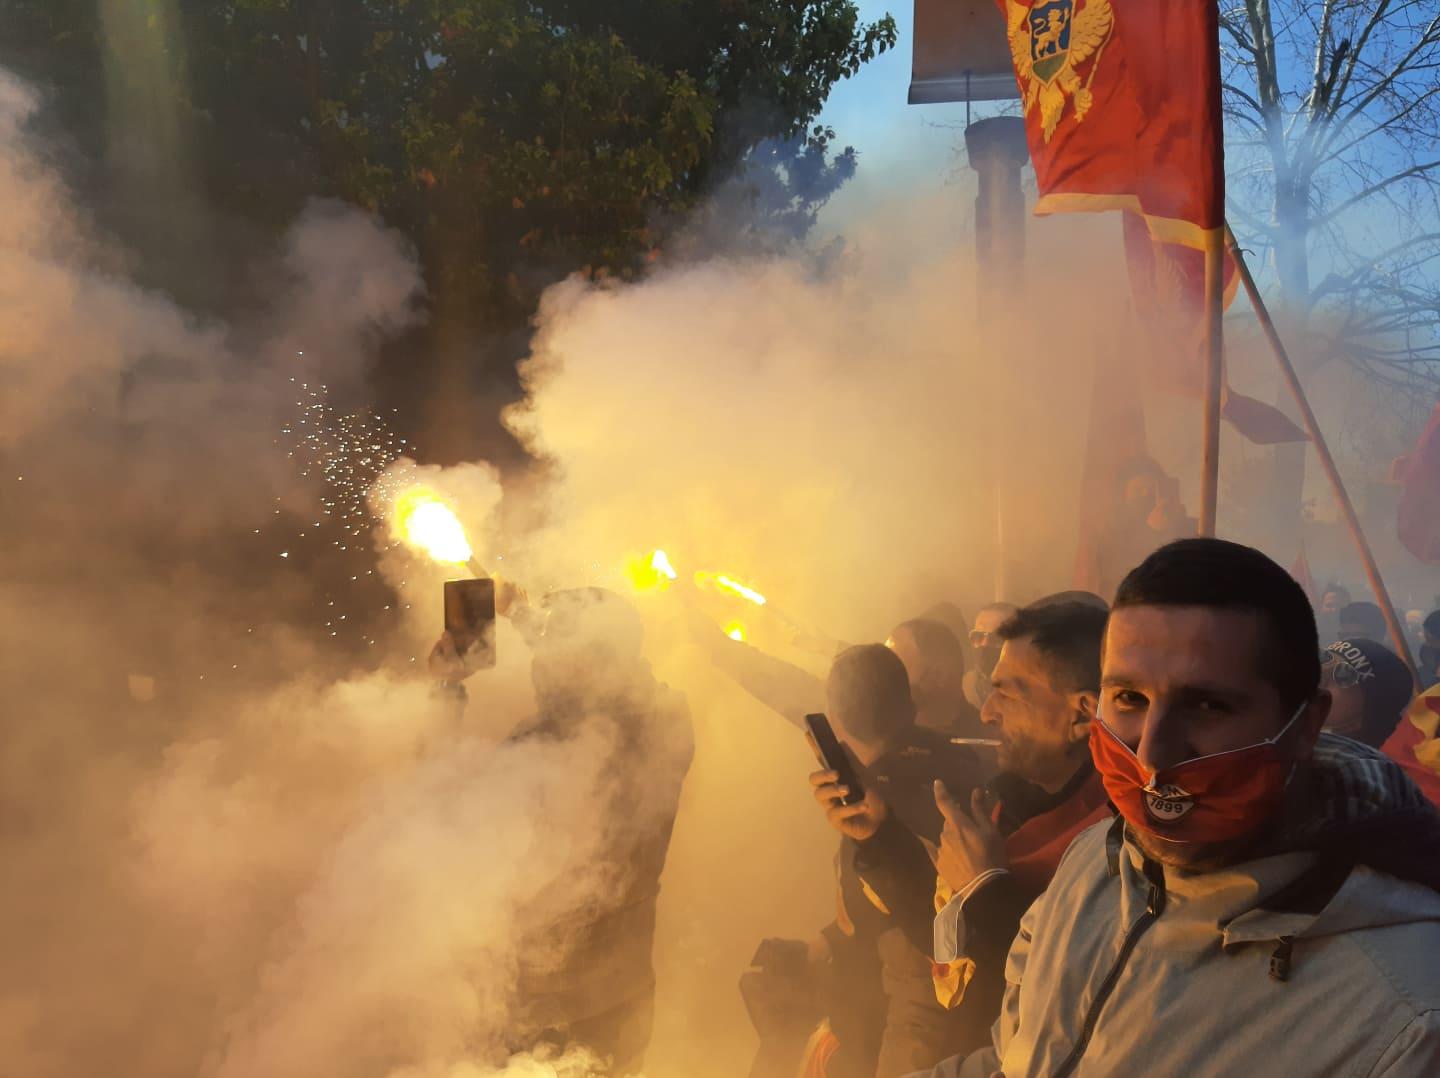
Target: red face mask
column 1214, row 798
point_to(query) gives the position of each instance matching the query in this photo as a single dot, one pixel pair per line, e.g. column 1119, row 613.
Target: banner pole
column 1322, row 450
column 1214, row 379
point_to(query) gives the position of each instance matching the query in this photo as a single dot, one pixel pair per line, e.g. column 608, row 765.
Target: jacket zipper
column 1154, row 907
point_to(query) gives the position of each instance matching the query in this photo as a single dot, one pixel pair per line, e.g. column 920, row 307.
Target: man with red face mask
column 1266, row 900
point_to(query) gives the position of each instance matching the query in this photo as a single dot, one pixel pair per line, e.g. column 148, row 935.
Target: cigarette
column 983, row 742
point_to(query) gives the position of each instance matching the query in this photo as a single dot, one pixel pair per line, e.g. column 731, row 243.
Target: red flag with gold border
column 1122, row 109
column 1167, row 281
column 1418, row 514
column 1122, row 112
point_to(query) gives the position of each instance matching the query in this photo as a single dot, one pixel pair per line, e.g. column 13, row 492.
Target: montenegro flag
column 1167, row 281
column 1122, row 109
column 1415, row 745
column 1122, row 112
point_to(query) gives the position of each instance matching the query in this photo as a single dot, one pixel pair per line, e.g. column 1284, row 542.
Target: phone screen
column 470, row 618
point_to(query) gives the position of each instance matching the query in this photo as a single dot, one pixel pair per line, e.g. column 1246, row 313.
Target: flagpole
column 1322, row 449
column 1214, row 378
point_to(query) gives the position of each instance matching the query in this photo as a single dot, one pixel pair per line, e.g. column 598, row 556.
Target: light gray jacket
column 1118, row 973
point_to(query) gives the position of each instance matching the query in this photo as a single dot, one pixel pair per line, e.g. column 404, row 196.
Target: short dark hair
column 1365, row 617
column 1086, row 598
column 1220, row 575
column 997, row 607
column 872, row 682
column 1431, row 624
column 1069, row 634
column 937, row 645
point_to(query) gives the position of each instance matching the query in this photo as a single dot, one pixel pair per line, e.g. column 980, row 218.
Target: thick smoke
column 235, row 857
column 239, row 847
column 223, row 859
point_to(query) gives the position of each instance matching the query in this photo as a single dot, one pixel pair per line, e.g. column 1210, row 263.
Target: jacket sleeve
column 1415, row 1051
column 780, row 686
column 893, row 863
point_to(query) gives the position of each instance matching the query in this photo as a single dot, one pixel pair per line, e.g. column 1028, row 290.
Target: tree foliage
column 513, row 140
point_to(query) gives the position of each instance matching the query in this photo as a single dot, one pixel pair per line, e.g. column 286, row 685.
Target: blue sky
column 902, row 146
column 896, row 141
column 870, row 113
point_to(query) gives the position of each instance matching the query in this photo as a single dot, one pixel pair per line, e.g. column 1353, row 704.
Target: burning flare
column 735, row 630
column 651, row 574
column 432, row 526
column 660, row 562
column 724, row 583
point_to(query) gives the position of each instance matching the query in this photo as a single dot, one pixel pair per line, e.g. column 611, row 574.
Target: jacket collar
column 1365, row 899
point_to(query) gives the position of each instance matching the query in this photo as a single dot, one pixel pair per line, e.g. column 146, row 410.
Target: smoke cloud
column 245, row 844
column 231, row 857
column 245, row 837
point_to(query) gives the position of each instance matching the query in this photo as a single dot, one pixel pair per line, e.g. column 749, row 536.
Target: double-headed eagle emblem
column 1049, row 41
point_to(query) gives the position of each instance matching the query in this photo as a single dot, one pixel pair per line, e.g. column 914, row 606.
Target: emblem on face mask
column 1167, row 803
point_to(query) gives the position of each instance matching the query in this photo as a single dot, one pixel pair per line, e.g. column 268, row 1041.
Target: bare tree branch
column 1376, row 188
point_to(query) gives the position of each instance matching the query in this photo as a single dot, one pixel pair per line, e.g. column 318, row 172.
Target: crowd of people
column 1192, row 828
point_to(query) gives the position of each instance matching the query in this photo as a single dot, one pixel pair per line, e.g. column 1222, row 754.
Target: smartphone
column 470, row 619
column 833, row 758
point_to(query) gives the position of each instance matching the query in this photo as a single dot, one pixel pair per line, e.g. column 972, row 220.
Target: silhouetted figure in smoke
column 588, row 670
column 985, row 644
column 1146, row 515
column 1362, row 620
column 589, row 980
column 1333, row 599
column 1429, row 653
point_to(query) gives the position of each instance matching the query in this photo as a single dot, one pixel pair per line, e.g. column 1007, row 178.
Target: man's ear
column 1312, row 721
column 1083, row 706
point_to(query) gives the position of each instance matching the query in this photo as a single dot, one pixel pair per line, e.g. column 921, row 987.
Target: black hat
column 1384, row 678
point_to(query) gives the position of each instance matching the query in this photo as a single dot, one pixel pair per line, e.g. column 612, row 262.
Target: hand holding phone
column 470, row 620
column 833, row 757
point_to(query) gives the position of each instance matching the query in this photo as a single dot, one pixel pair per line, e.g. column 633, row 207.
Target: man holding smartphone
column 878, row 970
column 1000, row 844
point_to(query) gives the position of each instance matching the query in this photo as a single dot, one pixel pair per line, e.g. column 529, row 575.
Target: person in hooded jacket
column 1266, row 899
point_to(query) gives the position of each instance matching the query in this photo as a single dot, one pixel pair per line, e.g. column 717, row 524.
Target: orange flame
column 428, row 524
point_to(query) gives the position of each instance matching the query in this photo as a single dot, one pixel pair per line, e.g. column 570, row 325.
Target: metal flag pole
column 1322, row 449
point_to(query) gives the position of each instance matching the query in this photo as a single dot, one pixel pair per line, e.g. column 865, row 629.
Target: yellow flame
column 660, row 562
column 653, row 573
column 733, row 586
column 432, row 526
column 736, row 630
